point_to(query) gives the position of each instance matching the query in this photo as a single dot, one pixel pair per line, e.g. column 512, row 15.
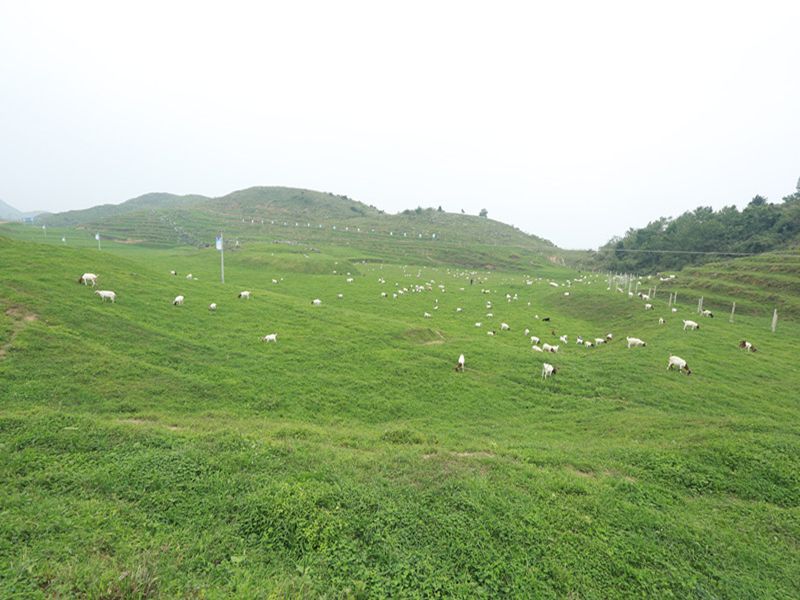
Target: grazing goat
column 548, row 370
column 478, row 324
column 212, row 306
column 178, row 301
column 677, row 361
column 527, row 332
column 340, row 296
column 648, row 307
column 490, row 332
column 504, row 327
column 173, row 272
column 563, row 339
column 598, row 341
column 427, row 315
column 707, row 313
column 690, row 325
column 635, row 342
column 588, row 344
column 548, row 348
column 244, row 294
column 535, row 339
column 189, row 276
column 661, row 320
column 745, row 345
column 107, row 295
column 460, row 364
column 272, row 337
column 316, row 302
column 536, row 348
column 88, row 278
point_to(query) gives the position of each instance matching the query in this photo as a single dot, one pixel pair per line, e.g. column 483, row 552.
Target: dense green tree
column 704, row 234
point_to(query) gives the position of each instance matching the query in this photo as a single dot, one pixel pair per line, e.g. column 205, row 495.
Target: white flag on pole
column 219, row 242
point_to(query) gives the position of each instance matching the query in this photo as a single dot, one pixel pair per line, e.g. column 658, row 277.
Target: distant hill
column 300, row 215
column 97, row 214
column 705, row 235
column 9, row 213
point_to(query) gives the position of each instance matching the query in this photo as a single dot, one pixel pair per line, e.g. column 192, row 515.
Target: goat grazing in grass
column 548, row 370
column 88, row 278
column 677, row 361
column 107, row 295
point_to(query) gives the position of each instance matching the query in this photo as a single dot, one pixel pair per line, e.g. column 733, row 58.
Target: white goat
column 635, row 342
column 648, row 307
column 548, row 370
column 178, row 301
column 563, row 339
column 661, row 320
column 88, row 278
column 535, row 339
column 548, row 348
column 427, row 315
column 707, row 313
column 316, row 302
column 690, row 325
column 536, row 348
column 107, row 295
column 212, row 306
column 244, row 294
column 504, row 327
column 272, row 337
column 677, row 361
column 460, row 364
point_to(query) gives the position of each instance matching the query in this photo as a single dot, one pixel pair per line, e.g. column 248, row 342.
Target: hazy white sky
column 571, row 120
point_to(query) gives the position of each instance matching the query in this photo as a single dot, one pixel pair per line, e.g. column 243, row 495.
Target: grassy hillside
column 758, row 285
column 150, row 450
column 298, row 215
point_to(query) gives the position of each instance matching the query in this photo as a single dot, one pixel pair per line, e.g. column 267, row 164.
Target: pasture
column 152, row 450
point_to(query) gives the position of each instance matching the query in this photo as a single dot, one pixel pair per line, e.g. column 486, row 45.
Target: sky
column 574, row 121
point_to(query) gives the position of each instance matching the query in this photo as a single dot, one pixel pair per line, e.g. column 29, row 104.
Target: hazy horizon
column 572, row 122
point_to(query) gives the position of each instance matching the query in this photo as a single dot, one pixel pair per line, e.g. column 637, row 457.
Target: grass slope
column 150, row 450
column 758, row 284
column 286, row 213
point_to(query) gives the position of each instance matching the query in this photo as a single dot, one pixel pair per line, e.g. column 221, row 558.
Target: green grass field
column 148, row 450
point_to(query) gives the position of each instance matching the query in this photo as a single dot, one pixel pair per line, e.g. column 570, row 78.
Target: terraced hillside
column 150, row 450
column 758, row 284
